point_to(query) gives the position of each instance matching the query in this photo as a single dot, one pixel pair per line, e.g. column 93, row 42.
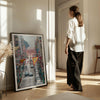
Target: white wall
column 21, row 16
column 83, row 5
column 62, row 17
column 94, row 33
column 91, row 15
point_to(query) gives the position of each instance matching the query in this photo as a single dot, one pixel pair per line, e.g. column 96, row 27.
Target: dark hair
column 77, row 14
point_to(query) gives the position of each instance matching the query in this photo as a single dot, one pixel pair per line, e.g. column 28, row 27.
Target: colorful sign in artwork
column 22, row 60
column 34, row 60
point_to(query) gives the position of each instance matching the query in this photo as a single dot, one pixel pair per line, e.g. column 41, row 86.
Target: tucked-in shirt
column 76, row 34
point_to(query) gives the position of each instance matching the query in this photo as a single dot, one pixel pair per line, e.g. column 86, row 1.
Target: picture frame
column 29, row 60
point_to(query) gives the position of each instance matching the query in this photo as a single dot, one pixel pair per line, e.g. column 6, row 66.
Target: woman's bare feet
column 71, row 86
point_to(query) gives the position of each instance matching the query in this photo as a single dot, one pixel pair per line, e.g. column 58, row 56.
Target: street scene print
column 29, row 61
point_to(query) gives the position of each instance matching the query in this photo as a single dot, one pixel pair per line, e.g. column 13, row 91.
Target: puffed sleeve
column 69, row 33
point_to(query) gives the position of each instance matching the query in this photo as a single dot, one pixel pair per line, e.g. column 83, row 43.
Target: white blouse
column 77, row 35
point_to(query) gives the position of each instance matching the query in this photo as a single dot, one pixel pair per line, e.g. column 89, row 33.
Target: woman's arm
column 67, row 43
column 69, row 34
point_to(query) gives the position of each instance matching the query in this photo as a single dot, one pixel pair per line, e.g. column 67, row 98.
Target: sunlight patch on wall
column 3, row 33
column 39, row 14
column 51, row 42
column 3, row 19
column 2, row 2
column 47, row 29
column 51, row 24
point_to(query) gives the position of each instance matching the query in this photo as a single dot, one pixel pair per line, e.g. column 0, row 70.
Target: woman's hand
column 66, row 50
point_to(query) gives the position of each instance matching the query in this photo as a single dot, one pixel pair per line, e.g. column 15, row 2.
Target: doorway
column 62, row 24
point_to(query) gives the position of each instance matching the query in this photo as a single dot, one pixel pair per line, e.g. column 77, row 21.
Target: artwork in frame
column 29, row 61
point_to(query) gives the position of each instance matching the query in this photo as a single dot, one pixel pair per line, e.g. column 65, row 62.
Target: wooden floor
column 91, row 88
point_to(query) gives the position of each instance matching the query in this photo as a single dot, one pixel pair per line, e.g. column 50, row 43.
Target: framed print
column 29, row 61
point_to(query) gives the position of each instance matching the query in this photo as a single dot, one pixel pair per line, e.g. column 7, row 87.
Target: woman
column 75, row 48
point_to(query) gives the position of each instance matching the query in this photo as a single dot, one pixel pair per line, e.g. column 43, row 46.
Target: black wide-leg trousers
column 74, row 68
